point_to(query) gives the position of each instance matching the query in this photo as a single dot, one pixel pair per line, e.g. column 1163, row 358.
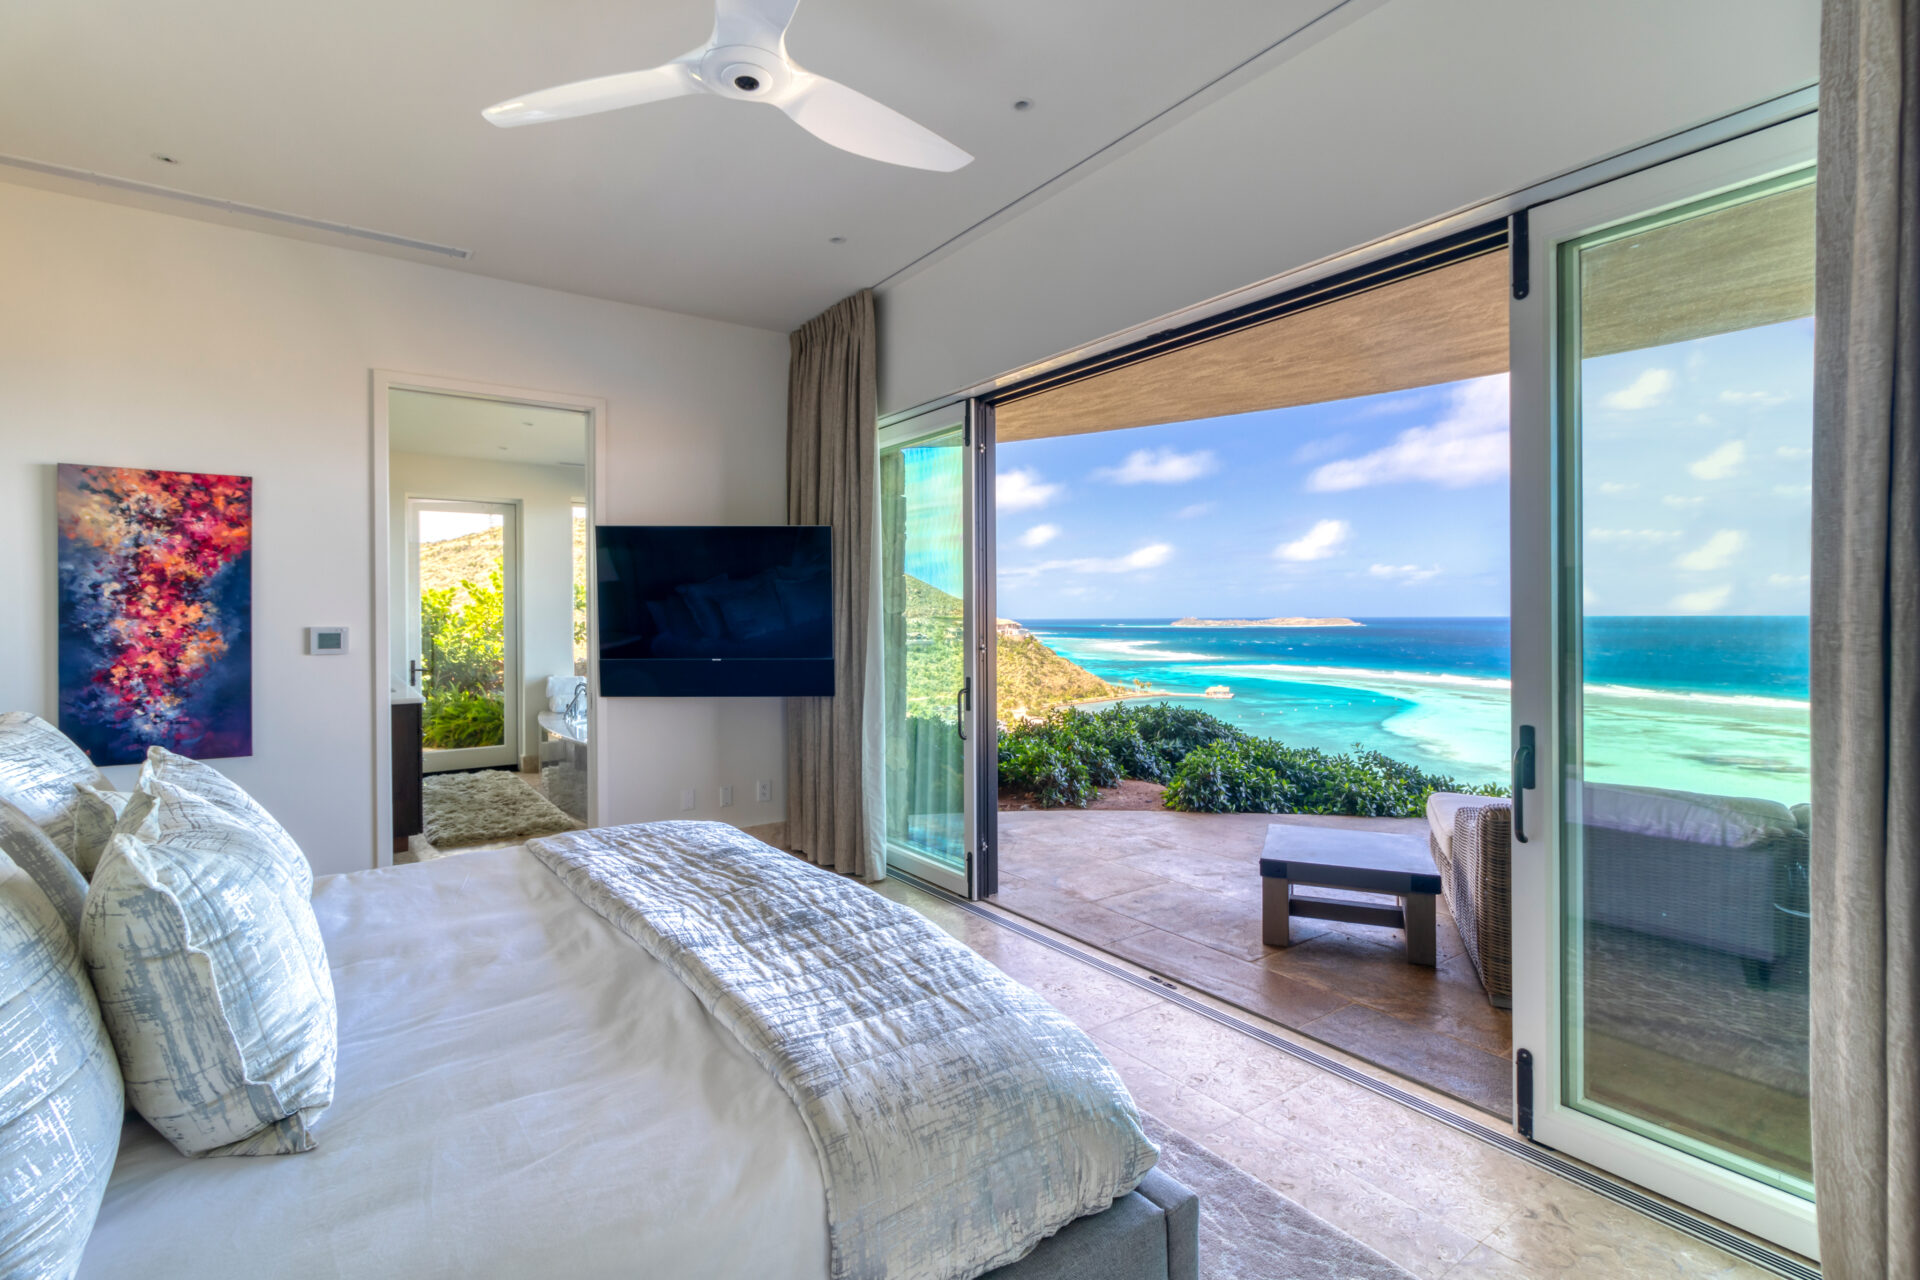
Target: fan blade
column 852, row 121
column 605, row 93
column 759, row 23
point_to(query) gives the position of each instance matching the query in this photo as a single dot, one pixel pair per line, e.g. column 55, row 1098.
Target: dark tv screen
column 715, row 610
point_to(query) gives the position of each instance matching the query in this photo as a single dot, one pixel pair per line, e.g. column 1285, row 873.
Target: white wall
column 1416, row 109
column 132, row 338
column 545, row 496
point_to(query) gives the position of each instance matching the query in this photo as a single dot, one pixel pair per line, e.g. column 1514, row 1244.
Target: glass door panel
column 460, row 637
column 926, row 560
column 1662, row 518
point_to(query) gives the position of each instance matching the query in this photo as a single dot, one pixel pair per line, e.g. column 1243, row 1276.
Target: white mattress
column 522, row 1091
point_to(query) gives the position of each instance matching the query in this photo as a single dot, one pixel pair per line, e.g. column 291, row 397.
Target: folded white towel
column 561, row 691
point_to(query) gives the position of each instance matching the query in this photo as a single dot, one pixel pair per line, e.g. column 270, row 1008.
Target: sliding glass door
column 930, row 646
column 1662, row 449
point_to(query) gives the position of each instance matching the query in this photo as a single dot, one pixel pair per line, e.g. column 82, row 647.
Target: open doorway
column 1252, row 600
column 489, row 513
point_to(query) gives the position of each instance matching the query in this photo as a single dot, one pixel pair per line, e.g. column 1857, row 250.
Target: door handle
column 1523, row 778
column 413, row 672
column 960, row 709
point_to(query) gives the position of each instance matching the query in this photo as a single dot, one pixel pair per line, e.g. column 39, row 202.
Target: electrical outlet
column 763, row 792
column 726, row 797
column 689, row 798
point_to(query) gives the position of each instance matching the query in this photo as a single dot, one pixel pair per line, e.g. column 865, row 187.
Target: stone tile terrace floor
column 1179, row 893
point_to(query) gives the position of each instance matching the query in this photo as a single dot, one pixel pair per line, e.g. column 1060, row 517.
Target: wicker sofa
column 1720, row 872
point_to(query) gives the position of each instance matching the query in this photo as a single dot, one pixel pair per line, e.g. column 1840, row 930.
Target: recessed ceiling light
column 1023, row 104
column 164, row 158
column 836, row 239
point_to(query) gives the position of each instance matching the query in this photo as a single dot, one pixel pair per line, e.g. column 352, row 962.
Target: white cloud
column 1161, row 466
column 1721, row 463
column 1023, row 490
column 1151, row 556
column 1794, row 490
column 1705, row 601
column 1404, row 573
column 1317, row 543
column 1644, row 392
column 1792, row 454
column 1614, row 488
column 1040, row 535
column 1759, row 399
column 1632, row 535
column 1195, row 511
column 1682, row 501
column 1717, row 552
column 1788, row 579
column 1468, row 446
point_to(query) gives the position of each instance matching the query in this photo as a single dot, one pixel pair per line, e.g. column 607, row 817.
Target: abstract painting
column 156, row 604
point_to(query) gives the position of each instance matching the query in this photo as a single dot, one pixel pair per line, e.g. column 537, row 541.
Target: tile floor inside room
column 1435, row 1200
column 1180, row 894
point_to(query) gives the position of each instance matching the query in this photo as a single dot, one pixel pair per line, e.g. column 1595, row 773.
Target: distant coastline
column 1267, row 622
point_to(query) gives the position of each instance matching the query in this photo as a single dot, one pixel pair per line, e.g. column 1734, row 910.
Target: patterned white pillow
column 212, row 977
column 96, row 813
column 138, row 815
column 22, row 840
column 39, row 771
column 61, row 1104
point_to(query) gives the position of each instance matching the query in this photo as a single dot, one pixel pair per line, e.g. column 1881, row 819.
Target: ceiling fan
column 746, row 58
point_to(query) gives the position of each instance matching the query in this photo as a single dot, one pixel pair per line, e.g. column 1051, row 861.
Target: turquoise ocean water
column 1713, row 704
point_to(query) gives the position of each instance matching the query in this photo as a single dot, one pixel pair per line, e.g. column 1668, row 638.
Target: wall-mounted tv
column 690, row 611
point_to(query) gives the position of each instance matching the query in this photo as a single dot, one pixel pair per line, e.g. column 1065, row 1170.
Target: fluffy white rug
column 475, row 808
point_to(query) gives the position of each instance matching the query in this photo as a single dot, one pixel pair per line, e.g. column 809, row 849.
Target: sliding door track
column 1544, row 1158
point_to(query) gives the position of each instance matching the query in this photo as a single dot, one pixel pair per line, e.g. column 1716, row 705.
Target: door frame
column 380, row 664
column 897, row 434
column 513, row 727
column 1538, row 614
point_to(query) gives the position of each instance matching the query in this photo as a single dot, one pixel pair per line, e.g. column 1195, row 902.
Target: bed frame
column 1151, row 1233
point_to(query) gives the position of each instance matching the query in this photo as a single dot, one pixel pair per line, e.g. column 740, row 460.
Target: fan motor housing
column 741, row 71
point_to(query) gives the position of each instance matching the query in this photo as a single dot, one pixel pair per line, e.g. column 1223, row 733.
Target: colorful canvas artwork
column 156, row 603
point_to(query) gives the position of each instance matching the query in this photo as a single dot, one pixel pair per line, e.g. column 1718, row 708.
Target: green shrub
column 463, row 637
column 1208, row 765
column 1223, row 777
column 1049, row 769
column 455, row 718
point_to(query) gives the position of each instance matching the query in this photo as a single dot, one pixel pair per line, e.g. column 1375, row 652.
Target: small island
column 1268, row 622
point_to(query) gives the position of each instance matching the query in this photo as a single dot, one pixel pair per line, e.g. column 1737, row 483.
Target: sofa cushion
column 40, row 768
column 212, row 977
column 61, row 1103
column 1441, row 808
column 1725, row 822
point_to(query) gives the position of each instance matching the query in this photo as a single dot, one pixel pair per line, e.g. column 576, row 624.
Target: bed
column 524, row 1091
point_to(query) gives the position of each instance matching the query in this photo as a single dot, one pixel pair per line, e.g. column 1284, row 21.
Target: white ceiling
column 367, row 112
column 496, row 430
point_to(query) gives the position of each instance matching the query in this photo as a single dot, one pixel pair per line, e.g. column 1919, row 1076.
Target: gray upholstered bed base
column 1152, row 1233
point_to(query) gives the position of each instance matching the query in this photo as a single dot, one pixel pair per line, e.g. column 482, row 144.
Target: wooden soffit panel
column 1735, row 268
column 1440, row 326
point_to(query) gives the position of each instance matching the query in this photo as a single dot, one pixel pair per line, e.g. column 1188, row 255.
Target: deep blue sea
column 1709, row 704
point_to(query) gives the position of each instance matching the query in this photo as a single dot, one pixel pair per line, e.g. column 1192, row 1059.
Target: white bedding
column 566, row 1076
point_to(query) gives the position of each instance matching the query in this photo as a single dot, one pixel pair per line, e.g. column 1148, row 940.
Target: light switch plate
column 326, row 641
column 688, row 799
column 726, row 797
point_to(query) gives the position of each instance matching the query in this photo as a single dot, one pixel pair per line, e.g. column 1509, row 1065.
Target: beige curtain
column 833, row 754
column 1866, row 645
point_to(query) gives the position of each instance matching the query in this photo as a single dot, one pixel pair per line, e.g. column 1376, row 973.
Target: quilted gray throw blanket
column 958, row 1118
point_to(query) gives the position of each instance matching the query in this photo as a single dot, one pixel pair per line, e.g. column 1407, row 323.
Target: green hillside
column 1032, row 677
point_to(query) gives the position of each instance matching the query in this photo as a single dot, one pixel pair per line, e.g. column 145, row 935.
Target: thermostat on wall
column 326, row 640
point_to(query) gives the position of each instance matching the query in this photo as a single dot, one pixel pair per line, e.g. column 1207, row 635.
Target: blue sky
column 1695, row 483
